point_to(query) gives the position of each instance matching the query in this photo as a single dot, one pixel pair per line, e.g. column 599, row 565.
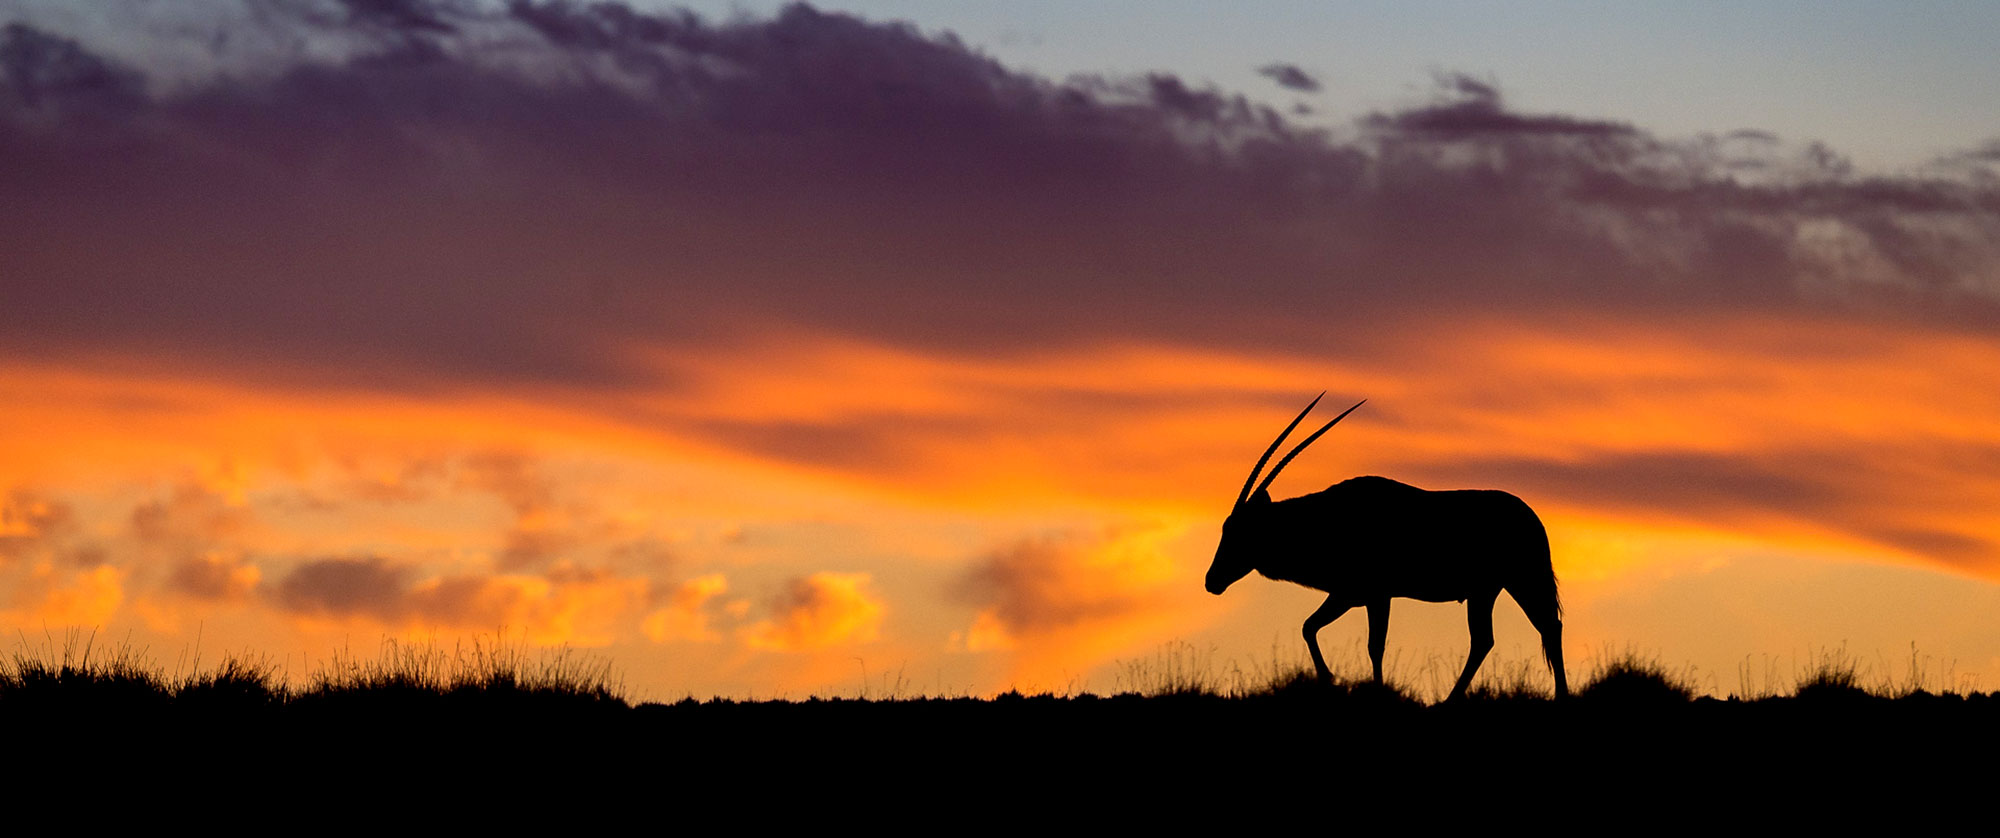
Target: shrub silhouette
column 1631, row 679
column 1834, row 677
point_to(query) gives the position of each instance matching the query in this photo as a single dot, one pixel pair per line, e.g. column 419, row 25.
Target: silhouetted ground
column 1632, row 746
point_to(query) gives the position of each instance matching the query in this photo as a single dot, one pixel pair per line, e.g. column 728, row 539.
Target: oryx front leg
column 1328, row 612
column 1378, row 633
column 1478, row 618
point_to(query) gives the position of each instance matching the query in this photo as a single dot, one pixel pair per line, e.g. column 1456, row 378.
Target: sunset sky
column 763, row 349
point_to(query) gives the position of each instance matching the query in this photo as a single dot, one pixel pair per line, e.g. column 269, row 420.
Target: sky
column 774, row 351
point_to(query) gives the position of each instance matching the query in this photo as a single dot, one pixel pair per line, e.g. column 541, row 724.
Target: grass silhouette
column 1834, row 676
column 467, row 718
column 82, row 671
column 82, row 675
column 480, row 673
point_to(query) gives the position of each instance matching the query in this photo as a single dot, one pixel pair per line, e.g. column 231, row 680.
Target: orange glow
column 761, row 504
column 48, row 597
column 1061, row 606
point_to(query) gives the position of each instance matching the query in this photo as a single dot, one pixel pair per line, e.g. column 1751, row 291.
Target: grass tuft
column 1176, row 669
column 1513, row 680
column 1831, row 675
column 489, row 672
column 1631, row 678
column 81, row 674
column 240, row 682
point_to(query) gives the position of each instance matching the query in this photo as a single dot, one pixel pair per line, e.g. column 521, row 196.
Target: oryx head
column 1245, row 530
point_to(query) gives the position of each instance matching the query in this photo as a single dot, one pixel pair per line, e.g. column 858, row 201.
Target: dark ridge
column 507, row 736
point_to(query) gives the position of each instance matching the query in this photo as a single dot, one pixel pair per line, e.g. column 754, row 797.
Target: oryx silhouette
column 1366, row 540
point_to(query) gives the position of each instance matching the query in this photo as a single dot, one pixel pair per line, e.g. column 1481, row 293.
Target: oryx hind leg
column 1479, row 619
column 1378, row 633
column 1551, row 628
column 1540, row 604
column 1552, row 649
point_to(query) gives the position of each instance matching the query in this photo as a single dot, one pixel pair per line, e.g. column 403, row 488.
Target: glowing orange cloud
column 51, row 597
column 817, row 611
column 215, row 576
column 683, row 618
column 581, row 608
column 1059, row 606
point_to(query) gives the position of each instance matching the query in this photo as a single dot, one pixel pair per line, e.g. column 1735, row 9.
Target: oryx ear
column 1260, row 496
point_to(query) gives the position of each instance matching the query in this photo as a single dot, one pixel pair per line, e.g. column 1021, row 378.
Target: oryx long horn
column 1245, row 495
column 1302, row 446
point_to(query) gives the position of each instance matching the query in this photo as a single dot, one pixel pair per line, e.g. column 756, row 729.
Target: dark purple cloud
column 1982, row 161
column 40, row 70
column 1290, row 77
column 1475, row 110
column 403, row 15
column 432, row 195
